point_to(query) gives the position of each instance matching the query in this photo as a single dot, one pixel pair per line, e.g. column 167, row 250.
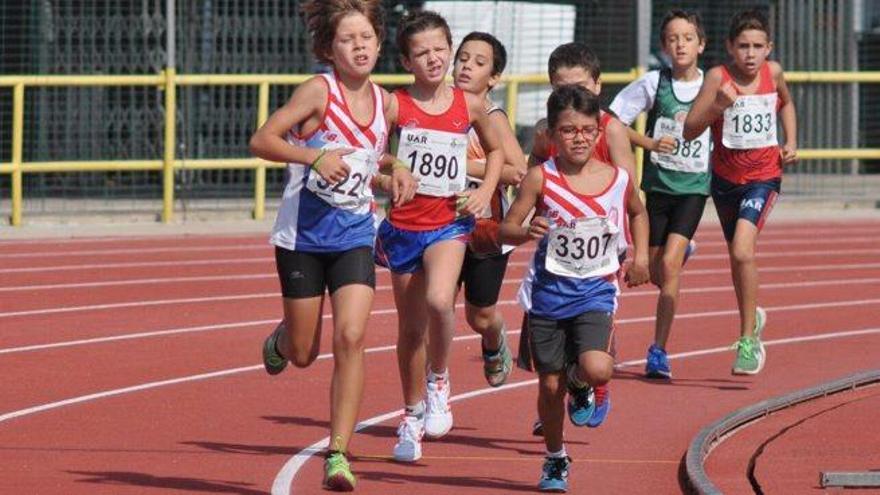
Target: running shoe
column 581, row 400
column 272, row 361
column 337, row 473
column 603, row 406
column 749, row 356
column 689, row 251
column 438, row 414
column 554, row 475
column 497, row 367
column 538, row 428
column 409, row 439
column 657, row 364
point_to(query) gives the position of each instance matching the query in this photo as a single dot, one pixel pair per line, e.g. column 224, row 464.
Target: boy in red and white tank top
column 741, row 103
column 423, row 242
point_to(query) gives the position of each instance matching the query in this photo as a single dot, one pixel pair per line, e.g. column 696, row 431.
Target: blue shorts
column 401, row 250
column 752, row 202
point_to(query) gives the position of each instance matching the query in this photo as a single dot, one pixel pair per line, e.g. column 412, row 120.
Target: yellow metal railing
column 169, row 80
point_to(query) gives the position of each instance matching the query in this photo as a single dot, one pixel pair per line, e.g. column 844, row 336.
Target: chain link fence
column 267, row 36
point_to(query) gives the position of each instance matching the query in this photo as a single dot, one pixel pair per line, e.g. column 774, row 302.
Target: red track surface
column 203, row 305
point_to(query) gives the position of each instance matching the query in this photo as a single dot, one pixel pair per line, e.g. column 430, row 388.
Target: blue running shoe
column 657, row 364
column 603, row 406
column 554, row 475
column 580, row 405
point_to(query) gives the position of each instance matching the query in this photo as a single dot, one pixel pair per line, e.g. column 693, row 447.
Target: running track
column 133, row 366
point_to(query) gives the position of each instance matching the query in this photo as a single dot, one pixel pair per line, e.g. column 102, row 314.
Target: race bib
column 352, row 192
column 437, row 158
column 688, row 156
column 588, row 250
column 750, row 122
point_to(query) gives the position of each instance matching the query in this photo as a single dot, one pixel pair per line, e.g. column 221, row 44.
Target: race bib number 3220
column 437, row 159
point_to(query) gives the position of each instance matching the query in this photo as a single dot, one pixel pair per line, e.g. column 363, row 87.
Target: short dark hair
column 691, row 17
column 417, row 21
column 574, row 54
column 748, row 19
column 574, row 97
column 499, row 53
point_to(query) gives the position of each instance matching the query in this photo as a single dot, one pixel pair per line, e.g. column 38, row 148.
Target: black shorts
column 482, row 277
column 304, row 275
column 554, row 343
column 673, row 214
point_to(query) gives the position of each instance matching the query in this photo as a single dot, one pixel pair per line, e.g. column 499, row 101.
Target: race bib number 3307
column 437, row 158
column 587, row 250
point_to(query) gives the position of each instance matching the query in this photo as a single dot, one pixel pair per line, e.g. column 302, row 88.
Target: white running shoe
column 409, row 439
column 438, row 415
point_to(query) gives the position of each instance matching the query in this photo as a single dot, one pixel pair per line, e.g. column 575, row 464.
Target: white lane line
column 144, row 250
column 139, row 281
column 523, row 249
column 184, row 330
column 283, row 482
column 261, row 295
column 137, row 264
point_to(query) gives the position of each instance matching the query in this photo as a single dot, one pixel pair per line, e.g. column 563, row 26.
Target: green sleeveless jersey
column 686, row 169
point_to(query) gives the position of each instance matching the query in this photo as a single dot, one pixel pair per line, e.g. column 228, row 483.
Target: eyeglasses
column 570, row 132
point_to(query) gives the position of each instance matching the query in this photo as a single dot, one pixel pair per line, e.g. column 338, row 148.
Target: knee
column 670, row 267
column 480, row 319
column 303, row 358
column 551, row 387
column 597, row 374
column 440, row 302
column 349, row 340
column 742, row 254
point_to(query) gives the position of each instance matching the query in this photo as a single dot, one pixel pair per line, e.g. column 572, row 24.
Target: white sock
column 417, row 410
column 433, row 377
column 558, row 454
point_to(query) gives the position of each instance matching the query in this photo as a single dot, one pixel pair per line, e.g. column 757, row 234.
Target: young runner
column 581, row 209
column 423, row 241
column 740, row 103
column 676, row 172
column 331, row 133
column 479, row 62
column 576, row 63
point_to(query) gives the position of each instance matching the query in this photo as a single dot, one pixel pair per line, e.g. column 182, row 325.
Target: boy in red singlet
column 741, row 102
column 423, row 242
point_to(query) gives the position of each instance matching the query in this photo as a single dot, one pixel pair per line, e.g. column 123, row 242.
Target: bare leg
column 744, row 271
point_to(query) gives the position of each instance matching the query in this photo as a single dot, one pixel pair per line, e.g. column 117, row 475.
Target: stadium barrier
column 168, row 81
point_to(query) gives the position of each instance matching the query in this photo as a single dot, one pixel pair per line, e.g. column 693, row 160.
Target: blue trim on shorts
column 401, row 250
column 749, row 201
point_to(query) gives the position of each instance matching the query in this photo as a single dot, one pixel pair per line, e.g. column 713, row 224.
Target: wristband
column 317, row 161
column 398, row 163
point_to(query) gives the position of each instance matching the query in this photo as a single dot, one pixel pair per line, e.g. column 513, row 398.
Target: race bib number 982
column 437, row 158
column 688, row 156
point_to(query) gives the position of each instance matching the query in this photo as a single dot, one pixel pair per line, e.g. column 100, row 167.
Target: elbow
column 254, row 144
column 689, row 133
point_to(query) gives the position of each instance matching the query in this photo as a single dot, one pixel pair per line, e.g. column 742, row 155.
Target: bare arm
column 788, row 116
column 478, row 200
column 541, row 145
column 705, row 109
column 511, row 230
column 619, row 146
column 637, row 273
column 514, row 159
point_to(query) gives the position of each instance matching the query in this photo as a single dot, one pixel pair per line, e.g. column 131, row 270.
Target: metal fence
column 108, row 130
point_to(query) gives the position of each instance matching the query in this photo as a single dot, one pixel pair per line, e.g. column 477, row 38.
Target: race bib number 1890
column 437, row 158
column 585, row 251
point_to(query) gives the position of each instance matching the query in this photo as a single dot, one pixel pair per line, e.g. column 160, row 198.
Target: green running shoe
column 496, row 368
column 337, row 473
column 272, row 361
column 749, row 356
